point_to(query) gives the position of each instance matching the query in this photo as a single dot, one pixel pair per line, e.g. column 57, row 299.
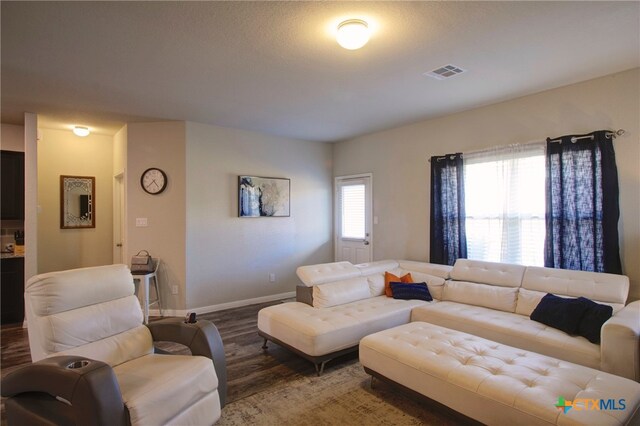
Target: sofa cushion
column 558, row 312
column 71, row 329
column 593, row 319
column 311, row 275
column 115, row 350
column 340, row 292
column 414, row 291
column 598, row 286
column 529, row 299
column 510, row 329
column 389, row 277
column 186, row 380
column 477, row 271
column 322, row 331
column 489, row 296
column 376, row 284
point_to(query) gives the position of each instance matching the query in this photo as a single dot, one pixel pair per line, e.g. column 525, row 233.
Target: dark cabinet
column 12, row 175
column 12, row 294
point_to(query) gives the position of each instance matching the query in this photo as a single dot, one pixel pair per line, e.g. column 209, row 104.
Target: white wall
column 12, row 137
column 60, row 152
column 401, row 180
column 160, row 145
column 229, row 258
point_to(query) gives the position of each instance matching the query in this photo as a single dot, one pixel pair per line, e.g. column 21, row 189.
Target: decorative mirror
column 77, row 202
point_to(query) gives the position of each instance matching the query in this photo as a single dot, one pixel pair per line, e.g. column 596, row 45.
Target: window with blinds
column 505, row 204
column 352, row 198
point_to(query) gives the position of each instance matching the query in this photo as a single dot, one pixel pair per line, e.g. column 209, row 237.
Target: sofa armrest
column 88, row 386
column 620, row 343
column 202, row 337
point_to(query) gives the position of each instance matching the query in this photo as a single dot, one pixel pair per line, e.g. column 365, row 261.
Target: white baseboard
column 222, row 306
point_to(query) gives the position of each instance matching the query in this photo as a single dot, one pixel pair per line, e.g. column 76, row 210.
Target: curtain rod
column 610, row 133
column 476, row 151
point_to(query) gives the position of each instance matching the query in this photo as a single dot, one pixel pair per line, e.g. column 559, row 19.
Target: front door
column 353, row 233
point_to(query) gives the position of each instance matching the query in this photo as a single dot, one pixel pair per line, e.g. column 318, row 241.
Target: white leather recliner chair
column 94, row 360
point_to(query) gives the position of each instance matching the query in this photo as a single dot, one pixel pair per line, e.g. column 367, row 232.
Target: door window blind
column 352, row 198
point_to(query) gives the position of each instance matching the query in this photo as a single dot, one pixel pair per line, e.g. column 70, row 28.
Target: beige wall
column 12, row 137
column 119, row 195
column 229, row 258
column 398, row 157
column 120, row 151
column 60, row 152
column 30, row 194
column 160, row 145
column 208, row 253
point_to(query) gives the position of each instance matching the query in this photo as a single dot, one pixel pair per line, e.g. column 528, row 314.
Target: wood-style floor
column 249, row 369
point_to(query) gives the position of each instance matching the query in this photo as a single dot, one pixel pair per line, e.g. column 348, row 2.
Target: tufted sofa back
column 488, row 284
column 338, row 283
column 323, row 273
column 90, row 312
column 501, row 286
column 604, row 288
column 491, row 273
column 519, row 289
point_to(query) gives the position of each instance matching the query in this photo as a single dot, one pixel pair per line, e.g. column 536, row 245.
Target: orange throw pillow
column 389, row 277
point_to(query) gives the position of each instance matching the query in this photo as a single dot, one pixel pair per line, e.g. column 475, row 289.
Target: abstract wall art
column 263, row 196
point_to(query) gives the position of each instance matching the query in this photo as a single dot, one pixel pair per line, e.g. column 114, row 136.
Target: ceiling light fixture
column 353, row 34
column 81, row 131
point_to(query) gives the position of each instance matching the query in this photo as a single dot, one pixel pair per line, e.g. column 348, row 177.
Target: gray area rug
column 341, row 396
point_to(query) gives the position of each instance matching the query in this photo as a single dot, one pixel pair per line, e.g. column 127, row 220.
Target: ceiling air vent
column 444, row 72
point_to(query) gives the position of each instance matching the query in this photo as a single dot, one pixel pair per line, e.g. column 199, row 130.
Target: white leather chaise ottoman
column 497, row 384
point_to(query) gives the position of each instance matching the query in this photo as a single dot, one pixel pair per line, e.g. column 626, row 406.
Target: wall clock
column 153, row 181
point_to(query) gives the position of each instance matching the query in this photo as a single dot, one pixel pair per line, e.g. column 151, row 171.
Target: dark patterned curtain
column 582, row 203
column 448, row 236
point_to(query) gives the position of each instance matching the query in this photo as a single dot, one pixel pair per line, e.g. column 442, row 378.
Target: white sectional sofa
column 495, row 302
column 340, row 303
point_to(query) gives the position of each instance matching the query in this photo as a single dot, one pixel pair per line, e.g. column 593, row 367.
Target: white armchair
column 94, row 360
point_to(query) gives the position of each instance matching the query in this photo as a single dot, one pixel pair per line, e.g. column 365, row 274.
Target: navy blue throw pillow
column 415, row 291
column 561, row 313
column 594, row 317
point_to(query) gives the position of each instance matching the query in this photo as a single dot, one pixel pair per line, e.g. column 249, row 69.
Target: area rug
column 342, row 396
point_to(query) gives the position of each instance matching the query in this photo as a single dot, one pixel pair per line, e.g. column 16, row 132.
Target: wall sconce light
column 81, row 131
column 353, row 34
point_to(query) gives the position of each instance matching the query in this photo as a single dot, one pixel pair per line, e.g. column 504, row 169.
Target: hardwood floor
column 249, row 369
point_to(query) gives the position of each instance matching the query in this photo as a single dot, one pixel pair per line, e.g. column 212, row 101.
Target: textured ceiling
column 274, row 67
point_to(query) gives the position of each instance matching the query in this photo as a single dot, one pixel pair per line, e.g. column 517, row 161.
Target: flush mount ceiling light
column 353, row 34
column 81, row 131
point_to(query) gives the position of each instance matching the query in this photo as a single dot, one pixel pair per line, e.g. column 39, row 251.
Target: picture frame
column 77, row 202
column 263, row 196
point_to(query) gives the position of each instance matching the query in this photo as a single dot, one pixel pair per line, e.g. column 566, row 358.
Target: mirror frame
column 63, row 199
